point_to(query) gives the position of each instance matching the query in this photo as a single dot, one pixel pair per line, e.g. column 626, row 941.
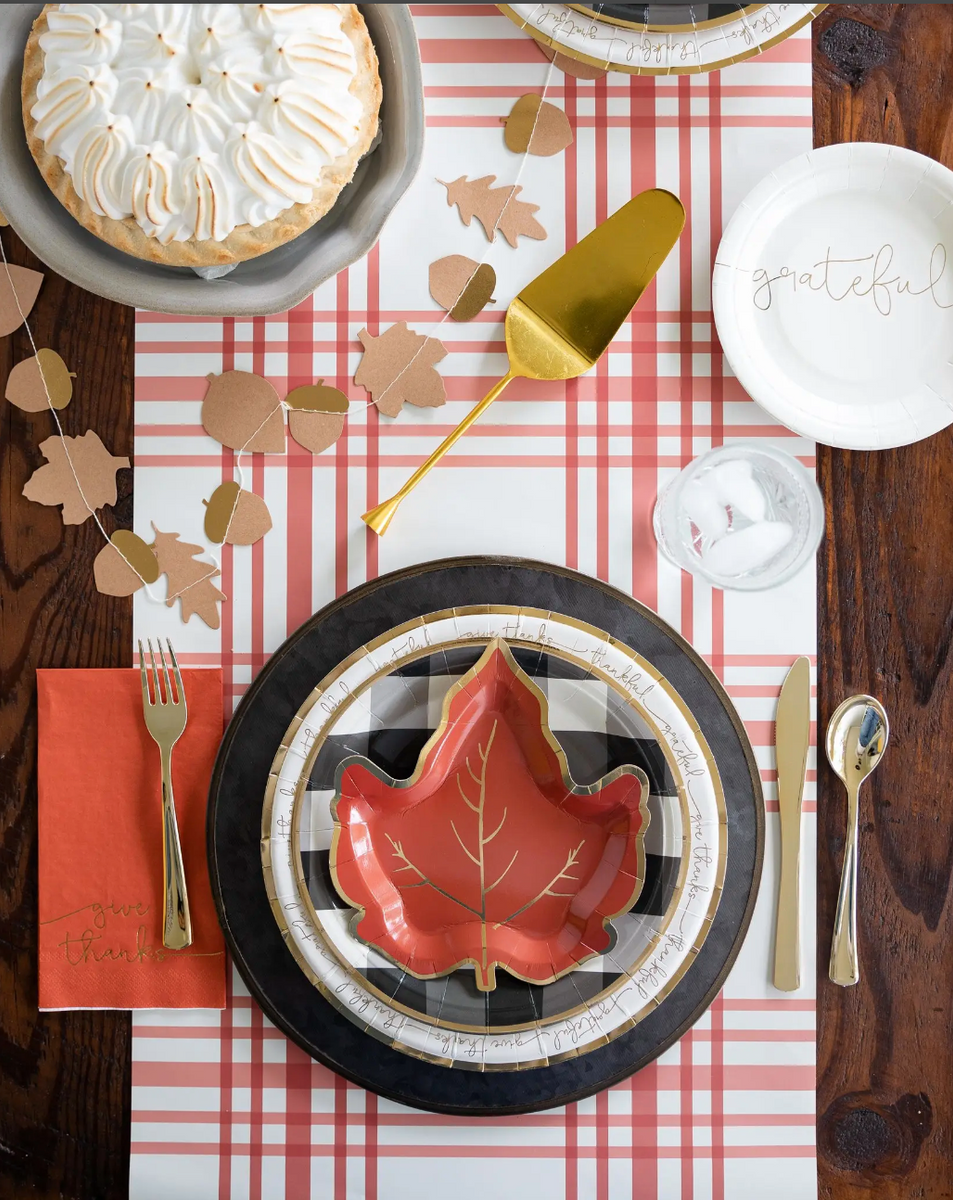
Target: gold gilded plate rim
column 697, row 69
column 628, row 699
column 743, row 11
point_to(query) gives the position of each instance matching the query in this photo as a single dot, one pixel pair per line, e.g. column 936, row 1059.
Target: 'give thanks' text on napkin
column 100, row 845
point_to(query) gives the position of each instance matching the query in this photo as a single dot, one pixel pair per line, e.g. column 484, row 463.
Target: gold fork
column 165, row 719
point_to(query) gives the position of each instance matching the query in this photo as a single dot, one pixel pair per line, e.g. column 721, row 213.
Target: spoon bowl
column 857, row 735
column 857, row 738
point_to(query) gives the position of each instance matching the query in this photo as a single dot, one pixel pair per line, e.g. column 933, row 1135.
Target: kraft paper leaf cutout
column 189, row 581
column 317, row 415
column 236, row 517
column 3, row 221
column 241, row 410
column 462, row 286
column 536, row 127
column 399, row 366
column 572, row 66
column 497, row 209
column 489, row 853
column 95, row 469
column 124, row 565
column 26, row 286
column 25, row 382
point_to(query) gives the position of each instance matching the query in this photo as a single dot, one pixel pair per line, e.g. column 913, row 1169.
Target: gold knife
column 792, row 738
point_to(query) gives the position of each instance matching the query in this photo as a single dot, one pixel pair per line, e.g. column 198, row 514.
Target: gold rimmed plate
column 609, row 708
column 688, row 39
column 512, row 1070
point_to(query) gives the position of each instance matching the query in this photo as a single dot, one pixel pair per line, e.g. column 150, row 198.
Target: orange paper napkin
column 100, row 845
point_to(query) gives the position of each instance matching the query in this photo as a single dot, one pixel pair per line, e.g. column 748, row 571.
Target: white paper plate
column 650, row 955
column 687, row 43
column 833, row 295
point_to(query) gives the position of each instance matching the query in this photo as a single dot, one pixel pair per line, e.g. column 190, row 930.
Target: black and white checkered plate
column 657, row 704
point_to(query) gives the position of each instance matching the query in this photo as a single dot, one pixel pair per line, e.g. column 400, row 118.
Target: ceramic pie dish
column 199, row 136
column 273, row 281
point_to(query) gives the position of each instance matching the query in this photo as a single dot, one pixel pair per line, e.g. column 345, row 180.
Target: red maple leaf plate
column 489, row 854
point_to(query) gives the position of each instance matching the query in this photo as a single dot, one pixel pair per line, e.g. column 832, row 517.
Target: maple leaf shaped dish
column 489, row 854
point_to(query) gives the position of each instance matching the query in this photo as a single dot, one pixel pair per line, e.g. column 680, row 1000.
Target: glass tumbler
column 745, row 516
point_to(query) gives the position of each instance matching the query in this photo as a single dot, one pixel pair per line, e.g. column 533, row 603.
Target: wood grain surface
column 885, row 1048
column 64, row 1077
column 884, row 73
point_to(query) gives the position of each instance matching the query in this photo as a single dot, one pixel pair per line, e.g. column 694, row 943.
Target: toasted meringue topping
column 152, row 190
column 234, row 81
column 70, row 103
column 98, row 167
column 206, row 208
column 81, row 33
column 195, row 119
column 265, row 18
column 303, row 119
column 143, row 95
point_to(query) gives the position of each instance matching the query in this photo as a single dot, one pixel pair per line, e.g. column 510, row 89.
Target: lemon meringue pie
column 199, row 134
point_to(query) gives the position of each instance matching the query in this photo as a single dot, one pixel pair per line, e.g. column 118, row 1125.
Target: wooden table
column 882, row 72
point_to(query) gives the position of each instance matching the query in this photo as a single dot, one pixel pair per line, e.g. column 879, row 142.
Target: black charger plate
column 234, row 829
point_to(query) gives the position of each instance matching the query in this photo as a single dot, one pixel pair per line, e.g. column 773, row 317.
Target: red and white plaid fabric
column 223, row 1106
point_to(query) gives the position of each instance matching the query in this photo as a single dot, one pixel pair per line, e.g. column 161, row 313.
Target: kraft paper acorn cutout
column 489, row 854
column 535, row 126
column 25, row 383
column 235, row 517
column 462, row 286
column 124, row 565
column 242, row 411
column 19, row 287
column 496, row 208
column 317, row 414
column 127, row 563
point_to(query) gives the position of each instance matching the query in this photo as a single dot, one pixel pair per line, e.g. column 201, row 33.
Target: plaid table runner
column 223, row 1105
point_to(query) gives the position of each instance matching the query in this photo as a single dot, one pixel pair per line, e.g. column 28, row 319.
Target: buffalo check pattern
column 597, row 731
column 223, row 1106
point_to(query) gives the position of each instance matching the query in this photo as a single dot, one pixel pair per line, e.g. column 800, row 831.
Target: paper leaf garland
column 95, row 469
column 124, row 565
column 398, row 366
column 497, row 209
column 25, row 382
column 242, row 411
column 189, row 580
column 15, row 308
column 462, row 286
column 536, row 127
column 572, row 66
column 316, row 416
column 236, row 517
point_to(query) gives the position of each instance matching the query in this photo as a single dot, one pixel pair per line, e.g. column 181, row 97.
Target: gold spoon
column 856, row 740
column 562, row 322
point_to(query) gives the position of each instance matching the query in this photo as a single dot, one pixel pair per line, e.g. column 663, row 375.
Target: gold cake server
column 561, row 323
column 792, row 738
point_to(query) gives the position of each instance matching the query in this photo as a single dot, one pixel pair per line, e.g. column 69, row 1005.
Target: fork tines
column 154, row 695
